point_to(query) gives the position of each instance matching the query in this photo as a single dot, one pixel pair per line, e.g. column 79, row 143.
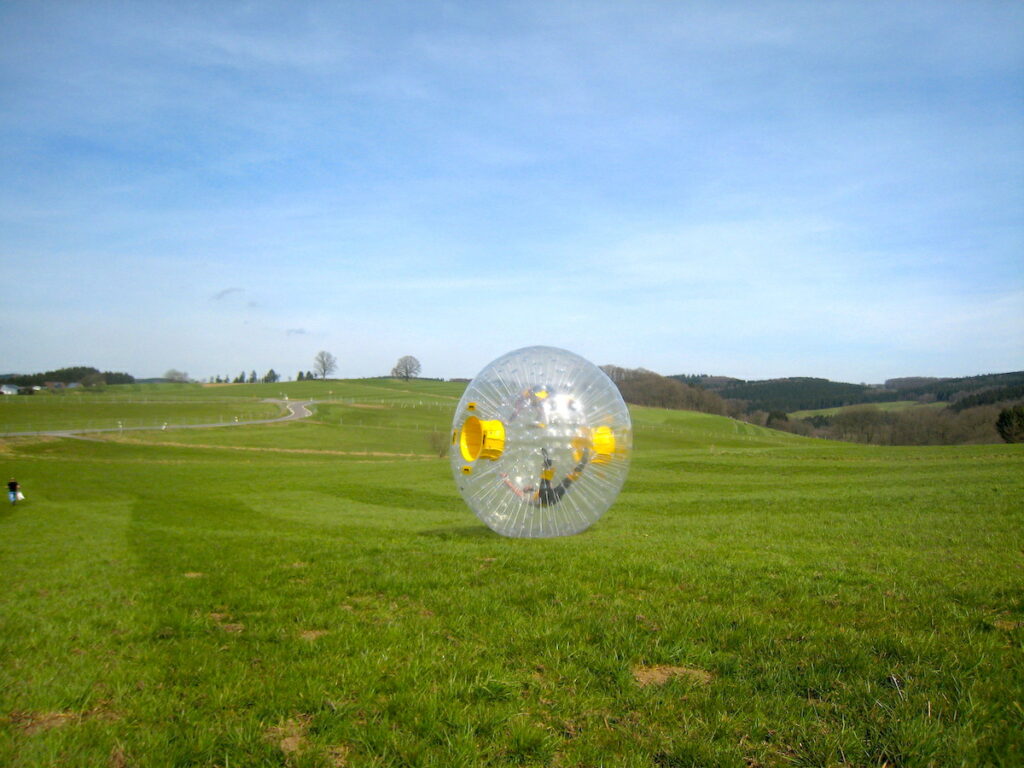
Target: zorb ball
column 540, row 443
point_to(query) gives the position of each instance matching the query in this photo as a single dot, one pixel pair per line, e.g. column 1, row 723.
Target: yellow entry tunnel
column 480, row 439
column 601, row 442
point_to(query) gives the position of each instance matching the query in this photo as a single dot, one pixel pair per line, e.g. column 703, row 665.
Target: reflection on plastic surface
column 540, row 443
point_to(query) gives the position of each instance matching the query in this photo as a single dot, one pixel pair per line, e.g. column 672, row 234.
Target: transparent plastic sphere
column 540, row 443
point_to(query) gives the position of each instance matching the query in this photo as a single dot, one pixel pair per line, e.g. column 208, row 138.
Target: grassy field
column 894, row 405
column 317, row 594
column 121, row 407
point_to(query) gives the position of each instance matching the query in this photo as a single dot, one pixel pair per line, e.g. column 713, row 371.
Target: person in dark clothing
column 12, row 490
column 548, row 494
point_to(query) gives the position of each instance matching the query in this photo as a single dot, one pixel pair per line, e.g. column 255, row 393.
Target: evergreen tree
column 1010, row 424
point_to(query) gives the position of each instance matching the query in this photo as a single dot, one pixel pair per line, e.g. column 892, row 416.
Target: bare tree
column 407, row 367
column 643, row 387
column 325, row 364
column 861, row 424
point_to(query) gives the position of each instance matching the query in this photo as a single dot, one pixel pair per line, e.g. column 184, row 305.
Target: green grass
column 38, row 413
column 894, row 405
column 266, row 596
column 142, row 405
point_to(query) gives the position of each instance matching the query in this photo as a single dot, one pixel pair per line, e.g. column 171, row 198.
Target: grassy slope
column 157, row 404
column 895, row 405
column 164, row 604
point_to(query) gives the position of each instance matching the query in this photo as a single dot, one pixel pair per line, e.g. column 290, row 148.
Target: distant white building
column 8, row 389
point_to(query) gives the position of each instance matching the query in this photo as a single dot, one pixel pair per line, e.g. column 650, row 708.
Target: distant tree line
column 911, row 382
column 705, row 381
column 84, row 375
column 324, row 365
column 980, row 410
column 952, row 390
column 269, row 377
column 642, row 387
column 988, row 397
column 918, row 425
column 805, row 393
column 799, row 394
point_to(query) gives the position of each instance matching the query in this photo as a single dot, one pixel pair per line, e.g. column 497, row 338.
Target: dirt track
column 296, row 411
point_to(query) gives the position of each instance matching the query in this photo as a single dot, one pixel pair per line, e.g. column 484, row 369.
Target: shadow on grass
column 401, row 498
column 461, row 532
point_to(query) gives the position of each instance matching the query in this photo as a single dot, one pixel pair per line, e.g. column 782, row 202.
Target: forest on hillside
column 807, row 393
column 963, row 410
column 78, row 374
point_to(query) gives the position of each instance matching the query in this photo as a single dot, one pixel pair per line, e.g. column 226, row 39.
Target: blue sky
column 754, row 189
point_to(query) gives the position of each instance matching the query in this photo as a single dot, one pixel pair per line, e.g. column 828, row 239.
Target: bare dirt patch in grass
column 313, row 634
column 221, row 620
column 661, row 674
column 647, row 623
column 290, row 736
column 338, row 756
column 36, row 722
column 193, row 575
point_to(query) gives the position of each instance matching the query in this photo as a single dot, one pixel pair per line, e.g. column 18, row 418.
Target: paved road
column 296, row 411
